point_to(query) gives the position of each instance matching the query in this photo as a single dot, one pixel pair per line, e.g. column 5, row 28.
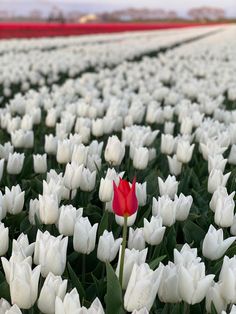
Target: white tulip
column 214, row 246
column 53, row 287
column 67, row 219
column 224, row 212
column 108, row 247
column 24, row 284
column 194, row 284
column 50, row 253
column 216, row 179
column 40, row 163
column 228, row 279
column 183, row 204
column 48, row 209
column 142, row 287
column 132, row 257
column 153, row 231
column 72, row 176
column 169, row 287
column 216, row 162
column 114, row 151
column 165, row 208
column 84, row 236
column 15, row 163
column 141, row 157
column 13, row 200
column 136, row 239
column 167, row 144
column 175, row 166
column 88, row 180
column 184, row 151
column 168, row 187
column 214, row 296
column 69, row 305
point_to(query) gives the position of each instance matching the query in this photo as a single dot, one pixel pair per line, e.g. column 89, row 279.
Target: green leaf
column 5, row 291
column 213, row 309
column 103, row 224
column 193, row 232
column 114, row 293
column 156, row 261
column 76, row 282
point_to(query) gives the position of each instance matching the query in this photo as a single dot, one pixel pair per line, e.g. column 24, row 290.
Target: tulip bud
column 40, row 163
column 184, row 151
column 50, row 145
column 22, row 244
column 186, row 126
column 72, row 176
column 6, row 150
column 70, row 304
column 169, row 287
column 224, row 212
column 175, row 166
column 33, row 211
column 136, row 239
column 141, row 157
column 216, row 162
column 4, row 239
column 228, row 279
column 67, row 218
column 214, row 246
column 15, row 163
column 142, row 279
column 153, row 231
column 124, row 194
column 131, row 257
column 166, row 208
column 13, row 200
column 48, row 209
column 183, row 205
column 108, row 247
column 114, row 151
column 64, row 151
column 214, row 296
column 194, row 283
column 53, row 287
column 168, row 187
column 21, row 275
column 169, row 127
column 141, row 193
column 84, row 236
column 167, row 144
column 216, row 179
column 50, row 253
column 88, row 180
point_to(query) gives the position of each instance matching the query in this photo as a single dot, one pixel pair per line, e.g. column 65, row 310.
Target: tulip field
column 118, row 173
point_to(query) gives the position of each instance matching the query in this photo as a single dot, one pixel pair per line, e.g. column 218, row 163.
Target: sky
column 181, row 6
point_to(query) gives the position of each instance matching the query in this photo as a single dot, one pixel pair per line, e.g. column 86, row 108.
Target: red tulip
column 125, row 201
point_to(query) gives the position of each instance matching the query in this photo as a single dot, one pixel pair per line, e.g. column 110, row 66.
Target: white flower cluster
column 64, row 146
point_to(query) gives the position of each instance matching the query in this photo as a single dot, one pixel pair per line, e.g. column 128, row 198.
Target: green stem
column 123, row 250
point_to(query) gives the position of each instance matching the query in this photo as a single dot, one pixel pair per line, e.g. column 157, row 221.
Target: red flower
column 125, row 201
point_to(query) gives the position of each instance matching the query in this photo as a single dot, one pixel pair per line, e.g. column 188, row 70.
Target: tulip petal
column 118, row 203
column 131, row 201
